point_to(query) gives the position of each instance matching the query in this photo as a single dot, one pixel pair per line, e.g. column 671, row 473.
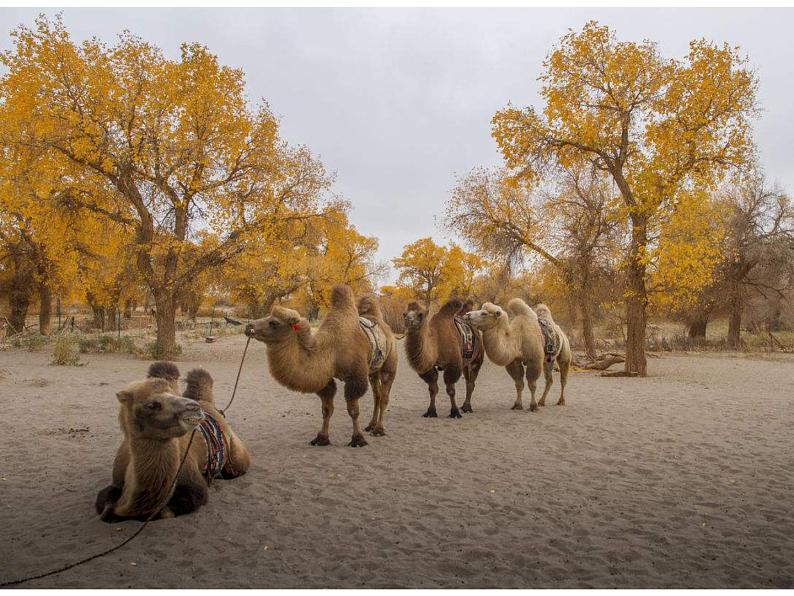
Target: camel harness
column 368, row 327
column 467, row 336
column 551, row 340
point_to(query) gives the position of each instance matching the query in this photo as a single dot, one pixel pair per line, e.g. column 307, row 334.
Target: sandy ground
column 684, row 479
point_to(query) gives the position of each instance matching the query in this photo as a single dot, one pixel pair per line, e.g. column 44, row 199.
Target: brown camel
column 350, row 346
column 157, row 425
column 443, row 342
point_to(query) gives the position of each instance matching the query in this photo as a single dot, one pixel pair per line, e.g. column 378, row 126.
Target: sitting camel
column 157, row 426
column 443, row 342
column 350, row 346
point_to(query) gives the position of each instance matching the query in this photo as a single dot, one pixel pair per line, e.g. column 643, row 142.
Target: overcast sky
column 398, row 101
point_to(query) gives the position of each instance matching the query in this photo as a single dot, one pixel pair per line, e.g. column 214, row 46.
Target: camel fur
column 157, row 425
column 433, row 344
column 516, row 344
column 340, row 349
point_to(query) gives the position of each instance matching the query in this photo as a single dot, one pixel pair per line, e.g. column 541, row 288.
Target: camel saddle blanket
column 467, row 336
column 378, row 357
column 551, row 340
column 216, row 447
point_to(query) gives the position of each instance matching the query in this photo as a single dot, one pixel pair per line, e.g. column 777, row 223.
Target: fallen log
column 620, row 373
column 602, row 363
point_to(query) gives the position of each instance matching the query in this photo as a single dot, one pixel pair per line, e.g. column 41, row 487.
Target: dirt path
column 680, row 480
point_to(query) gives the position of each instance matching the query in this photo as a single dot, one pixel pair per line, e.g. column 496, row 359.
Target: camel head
column 149, row 410
column 487, row 317
column 414, row 316
column 279, row 326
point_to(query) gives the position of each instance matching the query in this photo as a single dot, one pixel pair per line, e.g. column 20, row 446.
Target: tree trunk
column 735, row 317
column 110, row 317
column 128, row 309
column 165, row 317
column 45, row 309
column 587, row 326
column 636, row 300
column 19, row 301
column 19, row 296
column 697, row 328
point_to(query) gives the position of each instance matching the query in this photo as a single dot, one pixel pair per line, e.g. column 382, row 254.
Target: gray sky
column 398, row 101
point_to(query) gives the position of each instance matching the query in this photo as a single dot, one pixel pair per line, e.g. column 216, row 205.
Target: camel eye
column 153, row 406
column 273, row 324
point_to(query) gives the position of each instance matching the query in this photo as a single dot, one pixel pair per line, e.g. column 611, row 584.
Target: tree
column 420, row 266
column 657, row 126
column 435, row 273
column 174, row 139
column 571, row 225
column 759, row 248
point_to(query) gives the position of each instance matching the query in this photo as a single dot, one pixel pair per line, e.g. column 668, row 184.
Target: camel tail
column 369, row 307
column 199, row 385
column 518, row 307
column 342, row 298
column 450, row 308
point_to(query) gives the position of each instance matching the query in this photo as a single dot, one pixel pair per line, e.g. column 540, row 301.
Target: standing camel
column 443, row 342
column 346, row 346
column 519, row 344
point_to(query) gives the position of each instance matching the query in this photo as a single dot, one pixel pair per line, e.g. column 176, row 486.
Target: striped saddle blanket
column 216, row 447
column 368, row 327
column 467, row 336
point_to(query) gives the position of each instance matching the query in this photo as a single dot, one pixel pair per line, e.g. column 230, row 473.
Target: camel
column 518, row 344
column 158, row 425
column 438, row 343
column 351, row 346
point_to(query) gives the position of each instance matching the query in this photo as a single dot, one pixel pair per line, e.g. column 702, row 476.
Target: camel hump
column 163, row 370
column 544, row 312
column 342, row 297
column 369, row 307
column 199, row 385
column 518, row 307
column 450, row 308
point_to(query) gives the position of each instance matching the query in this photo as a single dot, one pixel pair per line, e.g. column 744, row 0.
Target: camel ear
column 124, row 396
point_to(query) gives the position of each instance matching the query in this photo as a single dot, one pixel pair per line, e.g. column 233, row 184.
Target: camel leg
column 355, row 387
column 548, row 374
column 533, row 372
column 470, row 373
column 431, row 378
column 451, row 376
column 375, row 384
column 327, row 396
column 239, row 460
column 516, row 371
column 565, row 364
column 387, row 374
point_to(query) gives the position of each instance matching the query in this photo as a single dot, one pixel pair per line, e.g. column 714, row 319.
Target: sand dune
column 679, row 480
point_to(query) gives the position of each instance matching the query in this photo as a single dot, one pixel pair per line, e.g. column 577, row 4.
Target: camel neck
column 420, row 348
column 150, row 475
column 301, row 363
column 498, row 344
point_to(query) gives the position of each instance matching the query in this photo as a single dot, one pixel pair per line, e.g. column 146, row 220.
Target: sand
column 683, row 479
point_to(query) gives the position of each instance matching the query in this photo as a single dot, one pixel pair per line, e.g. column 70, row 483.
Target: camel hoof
column 541, row 404
column 369, row 427
column 377, row 431
column 455, row 413
column 358, row 441
column 467, row 408
column 431, row 413
column 517, row 407
column 320, row 441
column 533, row 407
column 561, row 402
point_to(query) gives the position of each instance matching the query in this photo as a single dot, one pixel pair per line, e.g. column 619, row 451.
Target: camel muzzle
column 249, row 330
